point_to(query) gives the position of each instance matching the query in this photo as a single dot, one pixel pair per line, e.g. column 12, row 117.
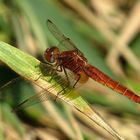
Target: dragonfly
column 67, row 58
column 73, row 59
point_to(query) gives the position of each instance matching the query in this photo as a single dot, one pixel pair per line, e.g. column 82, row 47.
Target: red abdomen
column 102, row 78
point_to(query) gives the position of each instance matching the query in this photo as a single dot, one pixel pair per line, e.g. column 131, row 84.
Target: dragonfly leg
column 79, row 76
column 46, row 64
column 38, row 77
column 64, row 89
column 51, row 68
column 54, row 71
column 66, row 76
column 59, row 70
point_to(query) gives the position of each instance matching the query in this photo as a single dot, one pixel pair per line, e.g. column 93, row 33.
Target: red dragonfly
column 73, row 59
column 70, row 59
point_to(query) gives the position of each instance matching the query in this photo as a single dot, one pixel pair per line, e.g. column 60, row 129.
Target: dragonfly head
column 51, row 54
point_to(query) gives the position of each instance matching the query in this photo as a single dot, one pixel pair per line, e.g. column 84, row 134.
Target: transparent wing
column 37, row 98
column 10, row 82
column 66, row 82
column 65, row 43
column 45, row 95
column 42, row 96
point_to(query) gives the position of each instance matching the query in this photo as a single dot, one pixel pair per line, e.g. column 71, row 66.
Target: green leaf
column 11, row 118
column 31, row 69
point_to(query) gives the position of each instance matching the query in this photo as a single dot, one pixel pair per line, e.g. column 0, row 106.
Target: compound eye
column 50, row 54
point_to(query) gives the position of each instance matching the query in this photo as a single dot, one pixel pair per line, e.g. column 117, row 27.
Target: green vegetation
column 99, row 32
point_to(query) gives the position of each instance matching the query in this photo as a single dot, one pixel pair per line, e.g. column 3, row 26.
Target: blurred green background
column 107, row 32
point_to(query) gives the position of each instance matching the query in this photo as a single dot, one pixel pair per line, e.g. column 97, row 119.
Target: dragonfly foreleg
column 51, row 68
column 45, row 64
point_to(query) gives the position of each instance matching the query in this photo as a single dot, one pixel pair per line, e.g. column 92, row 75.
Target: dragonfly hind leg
column 81, row 78
column 66, row 85
column 78, row 78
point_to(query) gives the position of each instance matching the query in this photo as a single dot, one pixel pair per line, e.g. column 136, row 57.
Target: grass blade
column 28, row 67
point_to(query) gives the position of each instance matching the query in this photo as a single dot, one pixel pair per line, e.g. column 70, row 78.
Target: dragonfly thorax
column 51, row 54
